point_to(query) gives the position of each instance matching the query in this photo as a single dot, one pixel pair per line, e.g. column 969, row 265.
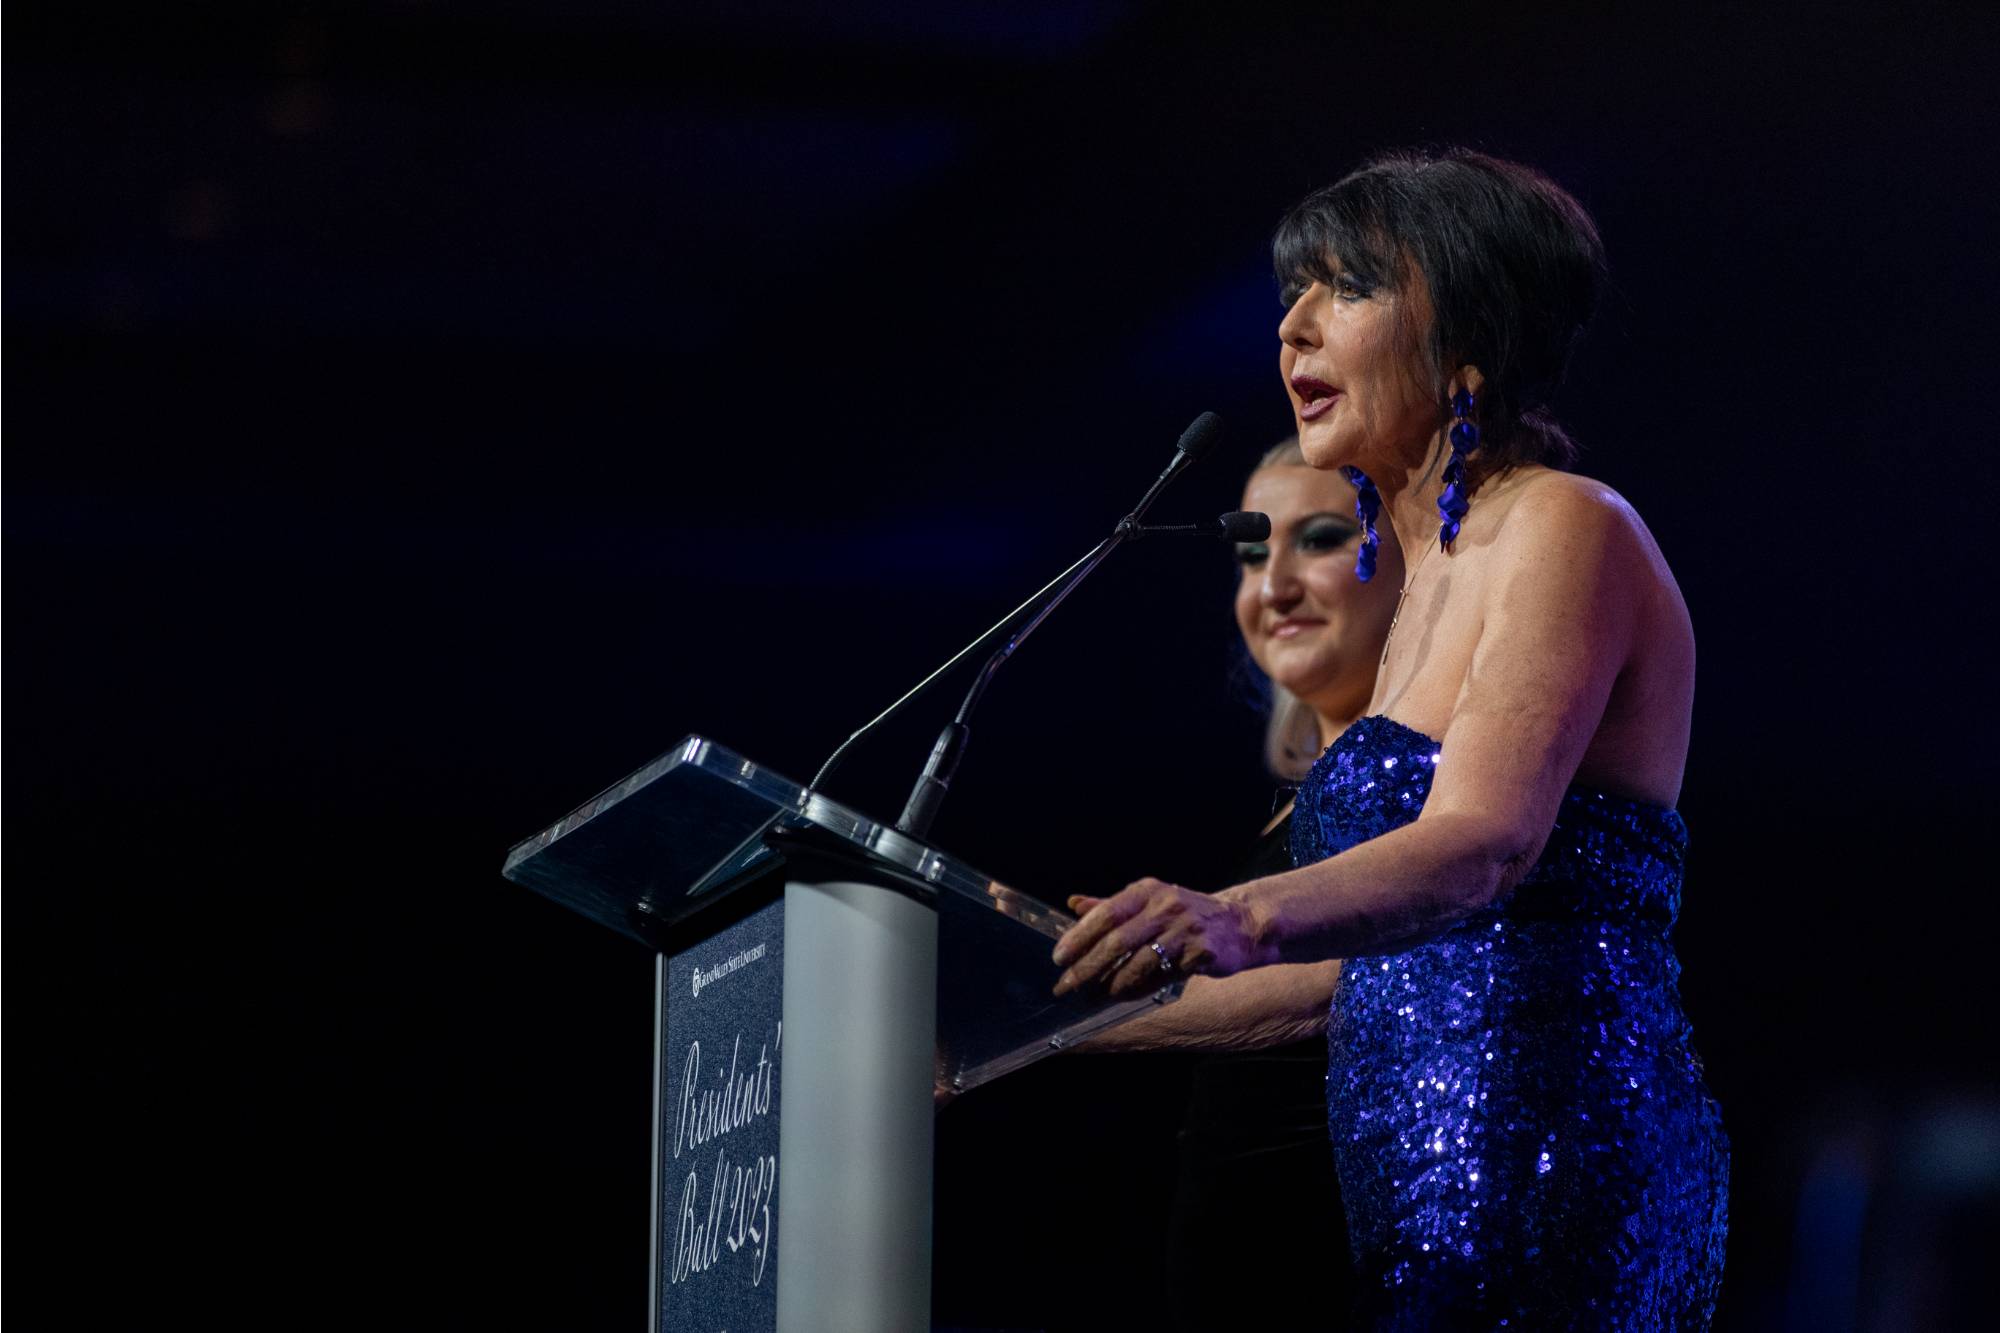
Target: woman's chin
column 1322, row 449
column 1302, row 684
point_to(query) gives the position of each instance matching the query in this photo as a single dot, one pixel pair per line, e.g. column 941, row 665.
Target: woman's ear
column 1468, row 378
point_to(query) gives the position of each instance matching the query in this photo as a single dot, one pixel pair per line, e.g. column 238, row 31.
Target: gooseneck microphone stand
column 1195, row 441
column 935, row 781
column 1015, row 627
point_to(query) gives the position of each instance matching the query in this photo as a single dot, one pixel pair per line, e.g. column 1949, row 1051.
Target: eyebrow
column 1317, row 514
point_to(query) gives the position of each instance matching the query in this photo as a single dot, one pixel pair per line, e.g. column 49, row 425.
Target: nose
column 1280, row 589
column 1298, row 330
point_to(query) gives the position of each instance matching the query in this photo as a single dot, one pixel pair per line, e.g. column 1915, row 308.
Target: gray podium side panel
column 860, row 1029
column 716, row 1128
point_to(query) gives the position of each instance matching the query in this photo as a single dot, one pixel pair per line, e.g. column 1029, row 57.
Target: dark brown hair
column 1511, row 263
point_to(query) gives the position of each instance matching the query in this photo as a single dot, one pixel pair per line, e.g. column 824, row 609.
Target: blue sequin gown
column 1518, row 1118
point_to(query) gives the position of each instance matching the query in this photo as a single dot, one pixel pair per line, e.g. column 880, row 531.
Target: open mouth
column 1316, row 397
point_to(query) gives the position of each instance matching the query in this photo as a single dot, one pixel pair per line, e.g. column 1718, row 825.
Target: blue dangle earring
column 1367, row 504
column 1464, row 437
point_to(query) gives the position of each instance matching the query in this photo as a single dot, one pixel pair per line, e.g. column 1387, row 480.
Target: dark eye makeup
column 1345, row 284
column 1324, row 532
column 1316, row 535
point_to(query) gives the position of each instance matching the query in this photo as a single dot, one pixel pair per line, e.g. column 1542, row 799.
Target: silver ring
column 1166, row 963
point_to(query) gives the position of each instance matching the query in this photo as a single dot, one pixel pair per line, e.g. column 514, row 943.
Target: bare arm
column 1558, row 624
column 1267, row 1006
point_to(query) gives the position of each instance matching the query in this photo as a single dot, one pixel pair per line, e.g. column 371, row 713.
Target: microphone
column 1012, row 630
column 1193, row 445
column 1241, row 527
column 1232, row 527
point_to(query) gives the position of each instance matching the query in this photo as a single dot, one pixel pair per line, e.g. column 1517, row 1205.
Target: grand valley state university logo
column 727, row 966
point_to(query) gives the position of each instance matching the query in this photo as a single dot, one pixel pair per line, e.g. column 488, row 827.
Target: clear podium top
column 673, row 837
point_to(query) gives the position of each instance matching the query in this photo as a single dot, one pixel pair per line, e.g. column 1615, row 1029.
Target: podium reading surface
column 819, row 975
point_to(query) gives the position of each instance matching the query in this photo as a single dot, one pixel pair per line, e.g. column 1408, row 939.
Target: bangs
column 1339, row 231
column 1510, row 264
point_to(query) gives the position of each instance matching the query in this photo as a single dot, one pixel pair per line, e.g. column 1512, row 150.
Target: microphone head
column 1200, row 436
column 1240, row 527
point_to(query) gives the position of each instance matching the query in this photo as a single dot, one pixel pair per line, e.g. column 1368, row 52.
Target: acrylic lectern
column 819, row 976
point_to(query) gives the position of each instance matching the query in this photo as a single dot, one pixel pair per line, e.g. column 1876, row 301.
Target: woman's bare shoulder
column 1583, row 536
column 1544, row 494
column 1544, row 511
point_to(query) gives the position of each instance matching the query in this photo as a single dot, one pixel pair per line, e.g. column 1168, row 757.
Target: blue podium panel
column 721, row 1024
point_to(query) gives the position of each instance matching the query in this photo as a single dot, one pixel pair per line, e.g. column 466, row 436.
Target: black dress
column 1256, row 1236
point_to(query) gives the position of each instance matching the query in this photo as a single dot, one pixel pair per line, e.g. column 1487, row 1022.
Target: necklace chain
column 1404, row 595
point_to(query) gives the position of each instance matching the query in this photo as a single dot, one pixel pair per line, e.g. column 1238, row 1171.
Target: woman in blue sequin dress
column 1517, row 1115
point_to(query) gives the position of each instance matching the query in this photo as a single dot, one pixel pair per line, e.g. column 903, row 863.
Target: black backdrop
column 419, row 414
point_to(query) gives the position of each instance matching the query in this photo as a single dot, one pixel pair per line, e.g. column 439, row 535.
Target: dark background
column 418, row 415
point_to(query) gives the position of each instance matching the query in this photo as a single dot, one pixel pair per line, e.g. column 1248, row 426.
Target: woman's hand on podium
column 1151, row 933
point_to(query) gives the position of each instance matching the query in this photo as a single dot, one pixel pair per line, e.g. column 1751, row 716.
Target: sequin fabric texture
column 1517, row 1114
